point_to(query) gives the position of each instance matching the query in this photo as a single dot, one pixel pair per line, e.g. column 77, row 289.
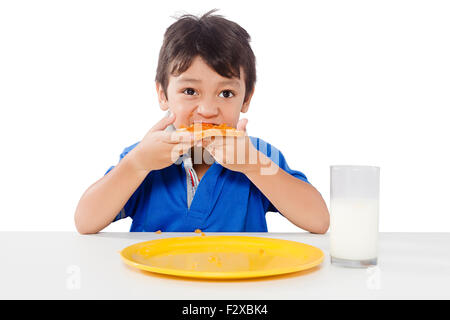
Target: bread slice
column 205, row 130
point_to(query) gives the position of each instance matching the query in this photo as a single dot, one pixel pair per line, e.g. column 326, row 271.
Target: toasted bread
column 205, row 130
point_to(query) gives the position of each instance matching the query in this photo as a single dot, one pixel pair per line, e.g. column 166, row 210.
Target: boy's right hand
column 159, row 149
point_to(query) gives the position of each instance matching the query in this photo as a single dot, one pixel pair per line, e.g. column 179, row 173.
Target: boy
column 170, row 182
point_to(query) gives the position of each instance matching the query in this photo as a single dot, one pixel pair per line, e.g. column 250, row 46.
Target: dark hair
column 222, row 44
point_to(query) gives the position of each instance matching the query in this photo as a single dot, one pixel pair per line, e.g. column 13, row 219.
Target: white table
column 66, row 265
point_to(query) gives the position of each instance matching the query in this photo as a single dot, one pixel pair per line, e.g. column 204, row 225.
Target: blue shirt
column 225, row 200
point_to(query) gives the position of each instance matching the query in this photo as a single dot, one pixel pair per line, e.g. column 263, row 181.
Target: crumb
column 203, row 234
column 261, row 251
column 198, row 231
column 159, row 231
column 215, row 260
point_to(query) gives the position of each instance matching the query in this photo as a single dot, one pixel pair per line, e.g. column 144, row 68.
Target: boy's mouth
column 205, row 122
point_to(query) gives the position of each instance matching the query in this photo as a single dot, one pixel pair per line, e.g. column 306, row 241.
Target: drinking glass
column 354, row 211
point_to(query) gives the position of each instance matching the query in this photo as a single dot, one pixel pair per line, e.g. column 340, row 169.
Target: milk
column 354, row 228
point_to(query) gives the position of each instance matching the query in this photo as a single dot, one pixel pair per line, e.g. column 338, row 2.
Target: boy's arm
column 102, row 201
column 295, row 199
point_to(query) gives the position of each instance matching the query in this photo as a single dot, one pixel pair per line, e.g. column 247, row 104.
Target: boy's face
column 200, row 94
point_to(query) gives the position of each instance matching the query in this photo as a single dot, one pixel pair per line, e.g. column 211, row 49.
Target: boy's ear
column 246, row 104
column 163, row 103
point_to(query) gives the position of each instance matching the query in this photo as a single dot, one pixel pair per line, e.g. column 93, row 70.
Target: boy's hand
column 159, row 149
column 235, row 153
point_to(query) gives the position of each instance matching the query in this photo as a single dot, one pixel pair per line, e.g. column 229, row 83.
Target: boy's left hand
column 234, row 153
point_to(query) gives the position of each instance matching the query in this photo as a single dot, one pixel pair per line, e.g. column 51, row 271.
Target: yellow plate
column 222, row 257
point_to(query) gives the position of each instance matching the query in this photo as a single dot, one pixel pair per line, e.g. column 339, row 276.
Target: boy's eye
column 226, row 94
column 189, row 91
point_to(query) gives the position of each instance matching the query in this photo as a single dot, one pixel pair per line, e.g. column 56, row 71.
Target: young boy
column 171, row 182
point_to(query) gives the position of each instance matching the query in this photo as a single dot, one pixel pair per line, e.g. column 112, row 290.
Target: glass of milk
column 354, row 208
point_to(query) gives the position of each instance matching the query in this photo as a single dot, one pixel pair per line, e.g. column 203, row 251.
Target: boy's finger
column 180, row 149
column 185, row 148
column 177, row 150
column 163, row 123
column 178, row 137
column 242, row 124
column 205, row 142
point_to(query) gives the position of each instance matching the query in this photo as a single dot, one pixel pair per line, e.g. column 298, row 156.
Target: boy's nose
column 207, row 110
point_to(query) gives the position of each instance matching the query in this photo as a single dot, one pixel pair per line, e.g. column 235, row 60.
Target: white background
column 339, row 82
